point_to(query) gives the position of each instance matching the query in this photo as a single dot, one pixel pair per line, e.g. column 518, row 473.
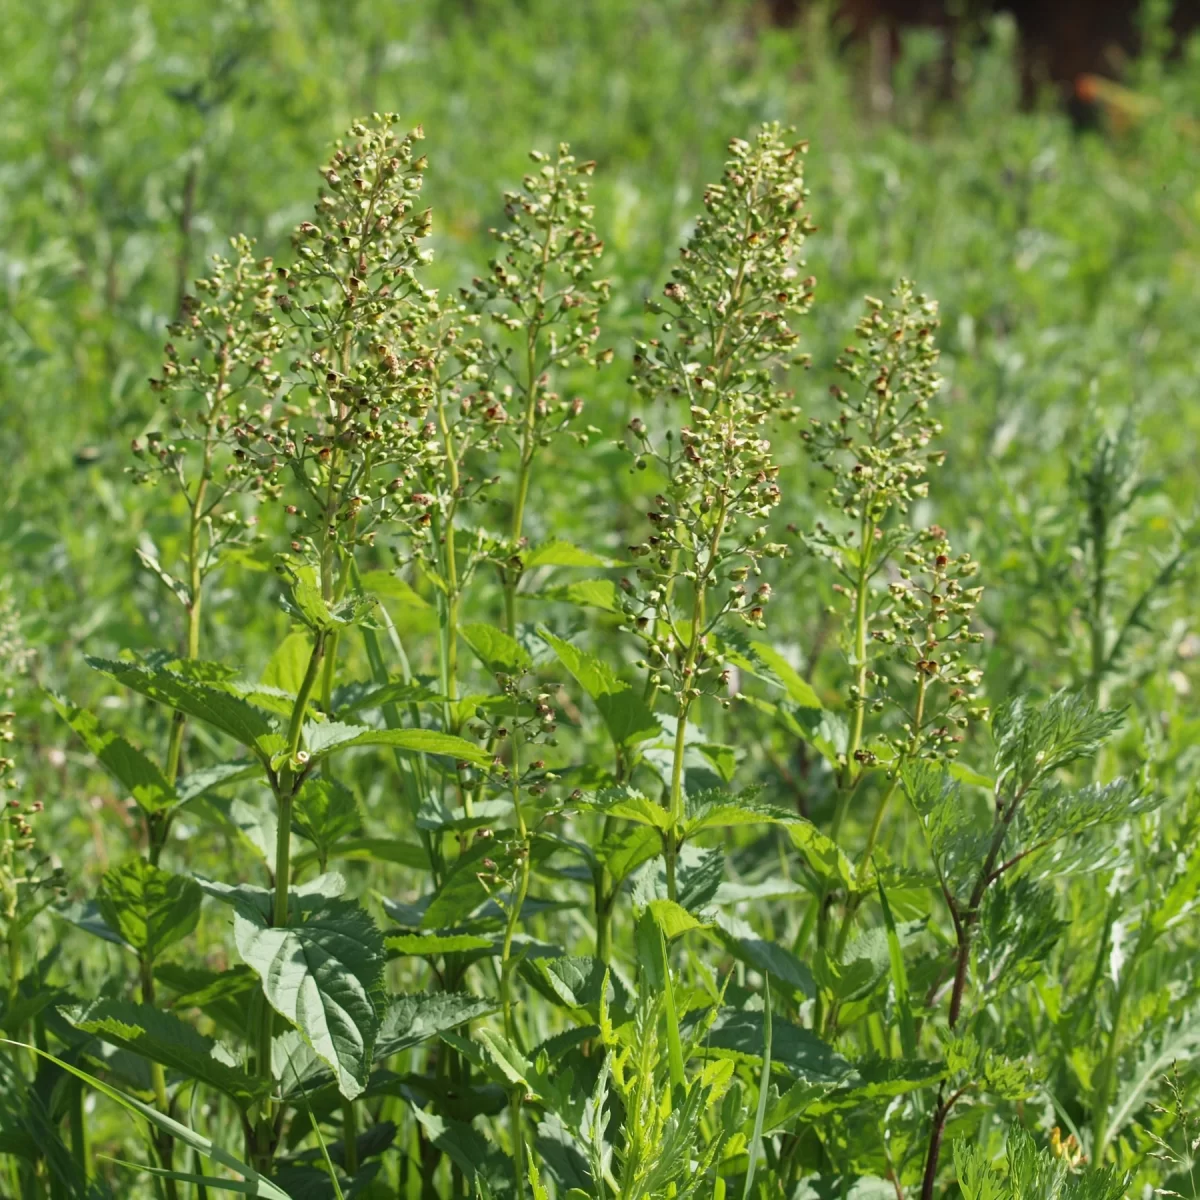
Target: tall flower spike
column 724, row 347
column 353, row 427
column 218, row 367
column 911, row 634
column 738, row 284
column 536, row 313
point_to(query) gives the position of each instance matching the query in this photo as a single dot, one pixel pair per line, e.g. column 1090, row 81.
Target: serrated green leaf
column 207, row 779
column 824, row 855
column 164, row 1038
column 673, row 919
column 628, row 805
column 624, row 712
column 559, row 553
column 388, row 586
column 510, row 1063
column 427, row 945
column 716, row 810
column 499, row 652
column 411, row 1020
column 793, row 1049
column 286, row 668
column 626, row 849
column 576, row 981
column 763, row 955
column 142, row 779
column 208, row 703
column 148, row 907
column 321, row 975
column 330, row 736
column 324, row 812
column 799, row 690
column 373, row 849
column 585, row 593
column 463, row 1144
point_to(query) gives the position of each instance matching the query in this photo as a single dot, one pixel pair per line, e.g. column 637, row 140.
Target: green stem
column 163, row 1142
column 1099, row 604
column 350, row 1137
column 855, row 902
column 675, row 810
column 506, row 972
column 79, row 1144
column 1106, row 1073
column 696, row 637
column 866, row 545
column 605, row 898
column 195, row 592
column 286, row 785
column 285, row 790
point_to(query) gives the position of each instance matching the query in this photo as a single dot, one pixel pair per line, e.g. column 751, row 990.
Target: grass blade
column 908, row 1029
column 764, row 1084
column 254, row 1183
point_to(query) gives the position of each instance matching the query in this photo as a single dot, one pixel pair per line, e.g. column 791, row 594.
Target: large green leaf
column 499, row 652
column 222, row 995
column 629, row 805
column 586, row 593
column 166, row 1039
column 149, row 907
column 411, row 1020
column 141, row 778
column 207, row 702
column 624, row 712
column 794, row 1049
column 576, row 981
column 560, row 553
column 799, row 690
column 463, row 1144
column 322, row 739
column 770, row 958
column 626, row 848
column 321, row 974
column 389, row 586
column 208, row 779
column 431, row 945
column 288, row 664
column 324, row 812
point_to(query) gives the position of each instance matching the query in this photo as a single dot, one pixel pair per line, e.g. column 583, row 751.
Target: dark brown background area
column 1061, row 40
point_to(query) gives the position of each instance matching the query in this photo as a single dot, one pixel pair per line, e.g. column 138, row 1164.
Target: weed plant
column 561, row 735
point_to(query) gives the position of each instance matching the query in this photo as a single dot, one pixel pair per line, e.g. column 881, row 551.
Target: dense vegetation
column 540, row 688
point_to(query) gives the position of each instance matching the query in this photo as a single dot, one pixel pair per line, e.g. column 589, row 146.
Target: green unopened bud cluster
column 738, row 286
column 927, row 630
column 730, row 302
column 877, row 445
column 908, row 597
column 219, row 367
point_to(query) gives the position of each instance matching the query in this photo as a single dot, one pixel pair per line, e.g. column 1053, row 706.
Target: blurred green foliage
column 135, row 138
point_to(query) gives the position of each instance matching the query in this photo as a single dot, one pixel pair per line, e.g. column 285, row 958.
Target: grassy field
column 703, row 870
